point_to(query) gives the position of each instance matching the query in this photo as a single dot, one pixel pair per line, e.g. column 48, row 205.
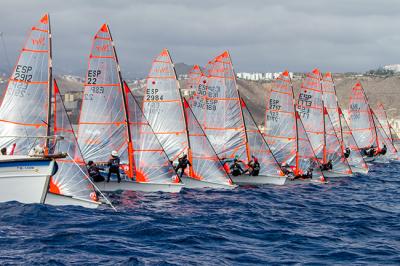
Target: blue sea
column 351, row 221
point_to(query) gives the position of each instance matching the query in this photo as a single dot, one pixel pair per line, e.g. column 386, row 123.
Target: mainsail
column 103, row 123
column 71, row 178
column 331, row 103
column 258, row 146
column 360, row 118
column 383, row 138
column 355, row 158
column 280, row 122
column 381, row 115
column 310, row 107
column 162, row 106
column 24, row 111
column 206, row 165
column 217, row 106
column 108, row 107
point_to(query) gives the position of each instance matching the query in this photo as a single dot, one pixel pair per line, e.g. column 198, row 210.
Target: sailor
column 370, row 151
column 383, row 150
column 286, row 169
column 347, row 152
column 94, row 172
column 113, row 165
column 235, row 168
column 183, row 162
column 3, row 151
column 307, row 175
column 253, row 167
column 327, row 166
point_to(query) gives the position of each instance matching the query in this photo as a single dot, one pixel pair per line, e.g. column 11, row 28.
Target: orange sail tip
column 285, row 73
column 56, row 90
column 328, row 74
column 104, row 28
column 185, row 103
column 196, row 67
column 53, row 187
column 316, row 71
column 164, row 52
column 45, row 19
column 225, row 54
column 242, row 102
column 358, row 84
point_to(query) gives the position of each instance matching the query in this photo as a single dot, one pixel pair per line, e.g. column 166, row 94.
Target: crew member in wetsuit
column 307, row 175
column 347, row 152
column 235, row 168
column 383, row 150
column 327, row 166
column 254, row 166
column 3, row 151
column 113, row 165
column 370, row 151
column 94, row 172
column 182, row 164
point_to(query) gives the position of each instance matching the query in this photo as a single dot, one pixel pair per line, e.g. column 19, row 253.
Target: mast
column 324, row 112
column 296, row 116
column 371, row 116
column 50, row 83
column 121, row 82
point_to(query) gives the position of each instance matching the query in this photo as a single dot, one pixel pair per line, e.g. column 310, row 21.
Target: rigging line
column 108, row 201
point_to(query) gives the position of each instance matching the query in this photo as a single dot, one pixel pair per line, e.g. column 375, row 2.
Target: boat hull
column 359, row 170
column 127, row 185
column 259, row 180
column 62, row 200
column 369, row 159
column 24, row 179
column 196, row 184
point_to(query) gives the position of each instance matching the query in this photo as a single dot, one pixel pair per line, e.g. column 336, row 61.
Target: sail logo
column 103, row 48
column 39, row 41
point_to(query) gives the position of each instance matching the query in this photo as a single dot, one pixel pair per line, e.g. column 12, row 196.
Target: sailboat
column 218, row 107
column 26, row 122
column 380, row 113
column 285, row 133
column 111, row 120
column 345, row 136
column 177, row 128
column 319, row 127
column 367, row 130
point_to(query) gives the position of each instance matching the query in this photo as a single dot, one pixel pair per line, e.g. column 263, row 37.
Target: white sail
column 162, row 106
column 25, row 105
column 217, row 107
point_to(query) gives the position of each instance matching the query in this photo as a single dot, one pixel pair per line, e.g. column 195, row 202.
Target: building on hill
column 258, row 76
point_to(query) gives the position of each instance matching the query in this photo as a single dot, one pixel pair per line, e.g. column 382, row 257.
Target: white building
column 257, row 76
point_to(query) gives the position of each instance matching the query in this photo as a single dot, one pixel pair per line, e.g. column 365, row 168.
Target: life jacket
column 114, row 163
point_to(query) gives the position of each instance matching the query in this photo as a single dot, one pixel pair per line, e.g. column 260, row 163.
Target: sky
column 261, row 35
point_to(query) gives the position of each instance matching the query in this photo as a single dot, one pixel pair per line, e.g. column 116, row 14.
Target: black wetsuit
column 94, row 173
column 236, row 169
column 383, row 150
column 255, row 169
column 327, row 166
column 347, row 153
column 183, row 163
column 113, row 164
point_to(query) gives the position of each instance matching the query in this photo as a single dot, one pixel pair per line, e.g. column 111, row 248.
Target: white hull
column 369, row 159
column 194, row 183
column 333, row 174
column 127, row 185
column 300, row 181
column 61, row 200
column 24, row 179
column 259, row 180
